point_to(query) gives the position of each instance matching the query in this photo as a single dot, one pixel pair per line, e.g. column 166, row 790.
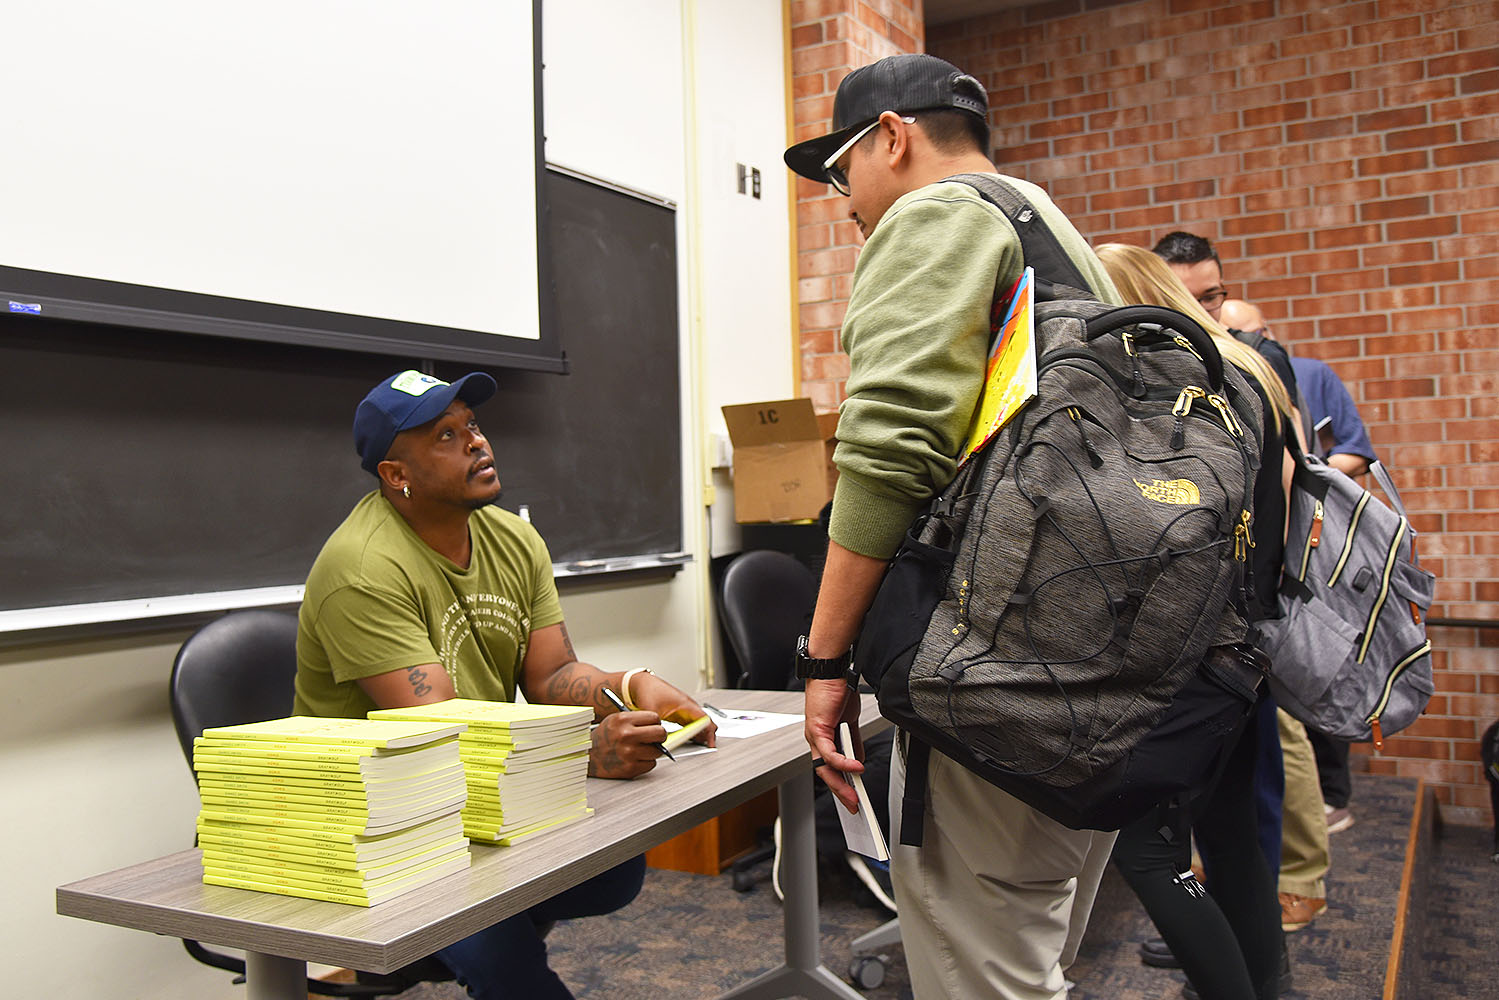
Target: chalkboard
column 146, row 464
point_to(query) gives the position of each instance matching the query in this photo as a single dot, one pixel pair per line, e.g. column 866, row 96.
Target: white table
column 281, row 934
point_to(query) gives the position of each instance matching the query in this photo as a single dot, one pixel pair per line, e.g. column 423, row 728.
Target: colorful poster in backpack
column 1010, row 376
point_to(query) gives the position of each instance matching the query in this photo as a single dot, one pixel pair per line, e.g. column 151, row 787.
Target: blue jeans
column 509, row 959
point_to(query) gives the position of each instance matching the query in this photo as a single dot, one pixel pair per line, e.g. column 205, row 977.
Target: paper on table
column 737, row 723
column 861, row 830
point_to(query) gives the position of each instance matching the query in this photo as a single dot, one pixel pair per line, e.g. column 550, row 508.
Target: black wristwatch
column 810, row 668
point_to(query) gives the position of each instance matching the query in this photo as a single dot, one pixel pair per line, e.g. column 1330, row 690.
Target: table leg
column 803, row 974
column 271, row 977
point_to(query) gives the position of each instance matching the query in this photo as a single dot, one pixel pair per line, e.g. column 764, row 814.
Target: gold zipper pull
column 1129, row 342
column 1186, row 344
column 1243, row 540
column 1183, row 404
column 1230, row 420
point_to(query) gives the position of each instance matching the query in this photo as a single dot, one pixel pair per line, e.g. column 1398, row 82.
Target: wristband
column 624, row 686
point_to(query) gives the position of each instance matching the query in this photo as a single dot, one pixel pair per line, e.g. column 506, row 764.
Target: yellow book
column 331, row 752
column 340, row 856
column 369, row 896
column 309, row 869
column 478, row 754
column 430, row 782
column 329, row 786
column 320, row 805
column 506, row 836
column 378, row 734
column 359, row 846
column 369, row 761
column 311, row 821
column 677, row 737
column 488, row 717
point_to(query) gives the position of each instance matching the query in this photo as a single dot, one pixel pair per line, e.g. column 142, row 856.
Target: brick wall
column 829, row 38
column 1344, row 158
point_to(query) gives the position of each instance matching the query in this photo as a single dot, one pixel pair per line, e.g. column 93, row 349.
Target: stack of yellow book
column 526, row 765
column 346, row 810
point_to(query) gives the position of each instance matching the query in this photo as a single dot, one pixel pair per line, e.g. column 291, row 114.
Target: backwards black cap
column 903, row 83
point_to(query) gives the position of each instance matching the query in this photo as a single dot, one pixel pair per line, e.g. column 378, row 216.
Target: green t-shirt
column 380, row 599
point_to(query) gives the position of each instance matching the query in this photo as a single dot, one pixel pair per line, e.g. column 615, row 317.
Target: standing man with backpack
column 994, row 901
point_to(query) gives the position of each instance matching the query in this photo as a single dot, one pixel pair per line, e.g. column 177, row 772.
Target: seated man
column 426, row 592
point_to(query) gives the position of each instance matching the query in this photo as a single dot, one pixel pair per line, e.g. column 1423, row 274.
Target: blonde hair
column 1142, row 278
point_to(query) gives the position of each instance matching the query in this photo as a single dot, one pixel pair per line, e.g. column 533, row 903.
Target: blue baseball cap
column 405, row 400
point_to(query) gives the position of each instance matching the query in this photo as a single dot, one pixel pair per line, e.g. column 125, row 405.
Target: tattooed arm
column 623, row 742
column 419, row 685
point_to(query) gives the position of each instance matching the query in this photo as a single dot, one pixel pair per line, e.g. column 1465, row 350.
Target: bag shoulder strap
column 1039, row 245
column 913, row 796
column 1376, row 468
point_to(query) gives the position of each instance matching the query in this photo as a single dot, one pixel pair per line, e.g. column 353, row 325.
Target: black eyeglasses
column 1214, row 299
column 836, row 174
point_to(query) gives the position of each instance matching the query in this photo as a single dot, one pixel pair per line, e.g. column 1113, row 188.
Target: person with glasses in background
column 1196, row 263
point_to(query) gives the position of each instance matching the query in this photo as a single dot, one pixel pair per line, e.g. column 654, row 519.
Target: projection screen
column 357, row 174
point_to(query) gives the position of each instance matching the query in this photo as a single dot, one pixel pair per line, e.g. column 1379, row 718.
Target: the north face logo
column 1177, row 491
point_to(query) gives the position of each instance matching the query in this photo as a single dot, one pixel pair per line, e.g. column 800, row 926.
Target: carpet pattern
column 693, row 936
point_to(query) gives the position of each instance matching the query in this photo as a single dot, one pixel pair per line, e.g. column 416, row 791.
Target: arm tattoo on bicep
column 418, row 678
column 567, row 643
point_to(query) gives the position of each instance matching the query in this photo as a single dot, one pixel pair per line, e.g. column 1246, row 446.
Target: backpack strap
column 1039, row 246
column 913, row 796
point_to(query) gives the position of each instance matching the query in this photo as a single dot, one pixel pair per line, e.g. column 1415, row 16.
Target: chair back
column 236, row 669
column 766, row 601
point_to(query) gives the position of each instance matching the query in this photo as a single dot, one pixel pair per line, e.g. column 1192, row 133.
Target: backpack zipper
column 1243, row 539
column 1094, row 458
column 1186, row 345
column 1226, row 412
column 1358, row 512
column 1389, row 688
column 1384, row 590
column 1313, row 538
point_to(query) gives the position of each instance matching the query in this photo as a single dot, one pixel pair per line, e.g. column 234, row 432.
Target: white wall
column 94, row 778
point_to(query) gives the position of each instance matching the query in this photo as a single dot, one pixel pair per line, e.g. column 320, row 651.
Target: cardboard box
column 780, row 461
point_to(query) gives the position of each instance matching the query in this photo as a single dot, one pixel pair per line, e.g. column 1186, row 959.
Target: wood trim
column 1402, row 901
column 791, row 205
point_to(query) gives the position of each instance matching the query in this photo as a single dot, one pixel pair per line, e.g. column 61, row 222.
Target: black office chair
column 239, row 669
column 765, row 603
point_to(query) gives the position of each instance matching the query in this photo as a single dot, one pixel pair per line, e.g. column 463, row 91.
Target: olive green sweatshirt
column 917, row 336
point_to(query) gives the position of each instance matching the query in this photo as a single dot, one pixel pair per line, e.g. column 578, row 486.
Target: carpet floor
column 693, row 936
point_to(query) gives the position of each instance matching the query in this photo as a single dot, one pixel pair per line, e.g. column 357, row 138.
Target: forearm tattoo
column 574, row 684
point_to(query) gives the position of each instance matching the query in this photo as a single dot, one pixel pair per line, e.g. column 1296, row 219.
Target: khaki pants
column 1304, row 856
column 995, row 901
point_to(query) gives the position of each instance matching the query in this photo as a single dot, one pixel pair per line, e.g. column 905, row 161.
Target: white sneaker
column 875, row 879
column 1338, row 820
column 775, row 865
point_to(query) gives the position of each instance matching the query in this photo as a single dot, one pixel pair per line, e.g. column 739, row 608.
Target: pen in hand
column 621, row 706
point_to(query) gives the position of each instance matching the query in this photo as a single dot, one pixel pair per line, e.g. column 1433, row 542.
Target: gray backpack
column 1075, row 594
column 1349, row 654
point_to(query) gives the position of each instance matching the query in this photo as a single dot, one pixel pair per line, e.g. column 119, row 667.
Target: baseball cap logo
column 414, row 383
